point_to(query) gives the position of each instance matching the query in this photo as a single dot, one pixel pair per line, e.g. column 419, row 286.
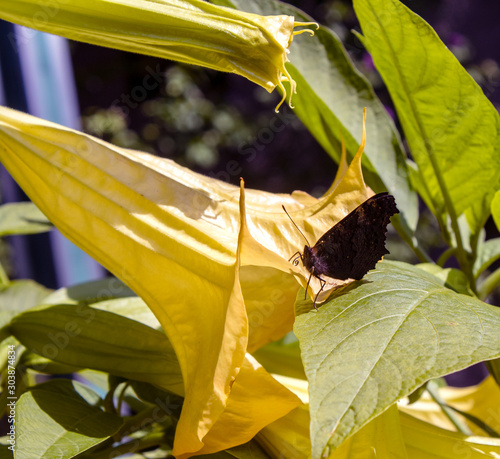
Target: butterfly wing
column 355, row 244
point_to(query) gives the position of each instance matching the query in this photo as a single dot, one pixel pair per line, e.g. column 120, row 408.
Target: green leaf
column 250, row 450
column 19, row 296
column 91, row 337
column 488, row 253
column 451, row 127
column 5, row 452
column 22, row 218
column 379, row 339
column 281, row 357
column 450, row 277
column 495, row 209
column 43, row 365
column 90, row 292
column 59, row 419
column 331, row 95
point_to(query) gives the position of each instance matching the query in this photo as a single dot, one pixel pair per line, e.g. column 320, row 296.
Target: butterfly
column 351, row 247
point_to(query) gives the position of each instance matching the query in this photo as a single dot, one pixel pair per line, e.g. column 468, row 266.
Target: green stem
column 4, row 279
column 139, row 421
column 432, row 388
column 132, row 446
column 489, row 284
column 481, row 424
column 412, row 242
column 445, row 255
column 121, row 397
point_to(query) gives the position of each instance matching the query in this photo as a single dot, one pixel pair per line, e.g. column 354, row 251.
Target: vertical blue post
column 49, row 85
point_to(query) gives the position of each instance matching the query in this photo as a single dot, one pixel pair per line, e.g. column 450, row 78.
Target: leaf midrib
column 418, row 121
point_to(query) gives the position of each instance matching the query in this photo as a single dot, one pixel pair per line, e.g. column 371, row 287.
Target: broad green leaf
column 44, row 365
column 282, row 358
column 478, row 214
column 90, row 292
column 379, row 339
column 249, row 450
column 495, row 209
column 451, row 127
column 450, row 277
column 330, row 96
column 488, row 253
column 190, row 31
column 5, row 452
column 20, row 296
column 60, row 419
column 22, row 218
column 88, row 337
column 289, row 437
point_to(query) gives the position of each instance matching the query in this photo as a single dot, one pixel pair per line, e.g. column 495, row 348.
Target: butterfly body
column 355, row 244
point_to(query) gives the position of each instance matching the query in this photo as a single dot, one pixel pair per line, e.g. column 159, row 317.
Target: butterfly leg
column 307, row 286
column 323, row 283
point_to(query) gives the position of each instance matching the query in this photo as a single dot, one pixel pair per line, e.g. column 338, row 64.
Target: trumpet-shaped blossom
column 210, row 259
column 190, row 31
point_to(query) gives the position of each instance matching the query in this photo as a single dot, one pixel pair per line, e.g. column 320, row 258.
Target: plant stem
column 121, row 396
column 132, row 446
column 445, row 255
column 482, row 425
column 139, row 421
column 4, row 279
column 489, row 284
column 449, row 412
column 412, row 242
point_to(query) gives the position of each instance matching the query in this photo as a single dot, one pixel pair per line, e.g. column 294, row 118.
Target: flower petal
column 190, row 31
column 148, row 224
column 256, row 400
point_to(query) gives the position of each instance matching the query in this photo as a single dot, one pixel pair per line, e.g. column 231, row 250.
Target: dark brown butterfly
column 353, row 246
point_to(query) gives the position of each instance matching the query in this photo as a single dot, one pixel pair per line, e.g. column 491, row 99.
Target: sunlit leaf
column 281, row 357
column 495, row 209
column 60, row 419
column 88, row 337
column 22, row 218
column 451, row 127
column 20, row 296
column 90, row 292
column 488, row 253
column 379, row 339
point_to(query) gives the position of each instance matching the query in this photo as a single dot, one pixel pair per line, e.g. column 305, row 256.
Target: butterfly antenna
column 294, row 224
